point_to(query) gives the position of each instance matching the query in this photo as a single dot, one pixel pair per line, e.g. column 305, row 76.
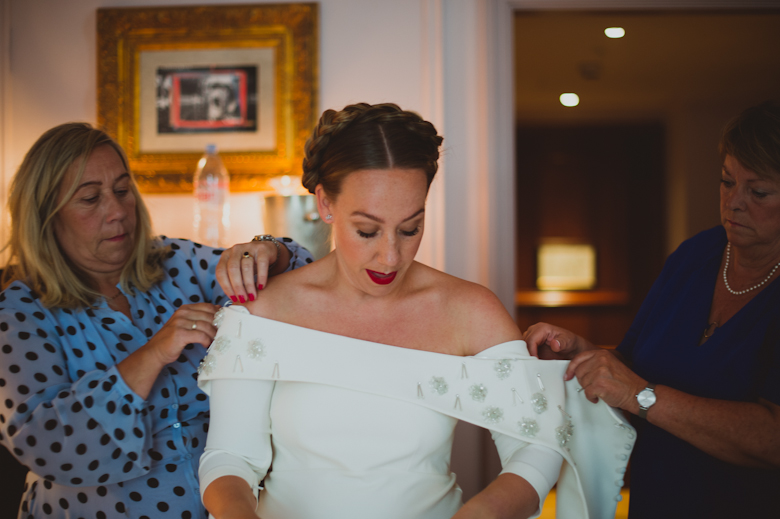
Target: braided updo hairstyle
column 364, row 136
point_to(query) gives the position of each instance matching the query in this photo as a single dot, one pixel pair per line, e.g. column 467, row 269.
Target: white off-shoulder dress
column 336, row 427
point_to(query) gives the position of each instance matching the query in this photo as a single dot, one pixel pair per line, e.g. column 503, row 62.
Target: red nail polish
column 251, row 297
column 241, row 298
column 234, row 299
column 260, row 286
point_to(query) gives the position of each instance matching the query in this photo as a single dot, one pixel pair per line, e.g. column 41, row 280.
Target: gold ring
column 247, row 255
column 194, row 326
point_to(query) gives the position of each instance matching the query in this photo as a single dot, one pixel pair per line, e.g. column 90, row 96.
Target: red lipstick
column 381, row 279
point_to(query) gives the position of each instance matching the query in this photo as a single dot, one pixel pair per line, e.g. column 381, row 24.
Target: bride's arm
column 529, row 472
column 229, row 497
column 507, row 496
column 238, row 449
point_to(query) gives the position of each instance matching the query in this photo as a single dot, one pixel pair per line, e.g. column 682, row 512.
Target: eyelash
column 408, row 234
column 757, row 194
column 120, row 193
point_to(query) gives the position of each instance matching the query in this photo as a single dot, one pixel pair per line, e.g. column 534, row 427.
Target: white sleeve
column 239, row 439
column 538, row 465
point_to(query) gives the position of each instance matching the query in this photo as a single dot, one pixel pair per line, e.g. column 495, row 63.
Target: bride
column 339, row 394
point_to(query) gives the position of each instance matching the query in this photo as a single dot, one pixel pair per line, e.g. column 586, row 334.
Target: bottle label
column 212, row 191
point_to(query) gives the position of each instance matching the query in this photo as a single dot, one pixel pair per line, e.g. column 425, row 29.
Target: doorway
column 597, row 185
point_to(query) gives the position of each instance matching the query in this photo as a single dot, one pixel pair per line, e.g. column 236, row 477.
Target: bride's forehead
column 385, row 194
column 384, row 179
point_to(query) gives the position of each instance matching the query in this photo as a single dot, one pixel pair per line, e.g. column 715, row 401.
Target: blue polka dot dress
column 93, row 447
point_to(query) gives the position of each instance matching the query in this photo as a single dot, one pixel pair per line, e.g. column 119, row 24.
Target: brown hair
column 753, row 138
column 364, row 136
column 35, row 255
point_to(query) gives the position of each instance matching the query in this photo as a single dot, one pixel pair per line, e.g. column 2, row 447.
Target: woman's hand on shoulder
column 243, row 270
column 552, row 342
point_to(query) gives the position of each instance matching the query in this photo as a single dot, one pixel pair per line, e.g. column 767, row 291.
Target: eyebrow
column 759, row 179
column 377, row 219
column 96, row 183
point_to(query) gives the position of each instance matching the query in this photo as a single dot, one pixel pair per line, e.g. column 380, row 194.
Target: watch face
column 646, row 398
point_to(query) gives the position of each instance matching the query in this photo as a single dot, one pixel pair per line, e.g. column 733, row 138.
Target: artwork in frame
column 173, row 79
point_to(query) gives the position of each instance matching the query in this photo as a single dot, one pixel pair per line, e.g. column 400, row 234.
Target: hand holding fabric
column 549, row 342
column 603, row 376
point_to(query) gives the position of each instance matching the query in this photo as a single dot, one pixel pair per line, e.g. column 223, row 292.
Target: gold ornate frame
column 291, row 30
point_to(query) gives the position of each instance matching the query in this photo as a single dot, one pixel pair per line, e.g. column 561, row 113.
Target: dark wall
column 602, row 185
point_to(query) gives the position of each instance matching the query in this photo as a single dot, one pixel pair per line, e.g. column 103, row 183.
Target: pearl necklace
column 740, row 292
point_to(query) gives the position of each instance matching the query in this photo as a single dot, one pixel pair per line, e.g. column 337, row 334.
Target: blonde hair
column 36, row 258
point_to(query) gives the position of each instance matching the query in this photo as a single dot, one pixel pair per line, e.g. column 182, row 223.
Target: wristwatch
column 269, row 237
column 646, row 399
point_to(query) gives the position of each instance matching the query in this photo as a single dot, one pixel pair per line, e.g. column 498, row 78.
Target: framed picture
column 173, row 79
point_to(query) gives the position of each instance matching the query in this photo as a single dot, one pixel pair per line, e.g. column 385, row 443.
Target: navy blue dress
column 94, row 448
column 669, row 477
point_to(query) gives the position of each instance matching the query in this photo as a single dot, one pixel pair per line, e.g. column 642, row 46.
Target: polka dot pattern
column 97, row 449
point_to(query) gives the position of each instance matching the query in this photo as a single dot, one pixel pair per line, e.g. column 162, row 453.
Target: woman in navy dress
column 102, row 327
column 700, row 364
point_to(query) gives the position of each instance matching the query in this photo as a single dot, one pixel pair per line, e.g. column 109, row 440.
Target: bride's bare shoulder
column 474, row 311
column 288, row 292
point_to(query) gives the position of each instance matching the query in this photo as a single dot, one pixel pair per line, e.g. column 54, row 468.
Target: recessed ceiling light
column 570, row 99
column 615, row 32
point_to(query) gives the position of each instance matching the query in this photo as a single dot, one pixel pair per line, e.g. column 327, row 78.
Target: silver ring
column 194, row 326
column 246, row 255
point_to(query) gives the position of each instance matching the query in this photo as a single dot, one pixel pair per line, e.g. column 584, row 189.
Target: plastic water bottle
column 212, row 208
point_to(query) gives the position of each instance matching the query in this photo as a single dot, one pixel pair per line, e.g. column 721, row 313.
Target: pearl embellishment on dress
column 503, row 368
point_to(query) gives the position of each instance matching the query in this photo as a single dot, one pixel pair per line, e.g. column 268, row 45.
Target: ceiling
column 665, row 61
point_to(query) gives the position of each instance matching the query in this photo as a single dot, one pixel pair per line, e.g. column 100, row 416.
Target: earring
column 329, row 217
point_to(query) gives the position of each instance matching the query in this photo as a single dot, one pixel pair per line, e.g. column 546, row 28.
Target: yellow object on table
column 548, row 510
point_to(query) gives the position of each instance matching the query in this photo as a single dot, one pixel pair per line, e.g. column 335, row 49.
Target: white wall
column 432, row 56
column 6, row 163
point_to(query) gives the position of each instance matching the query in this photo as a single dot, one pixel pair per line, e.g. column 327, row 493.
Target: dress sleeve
column 626, row 346
column 688, row 257
column 239, row 440
column 202, row 262
column 71, row 426
column 538, row 465
column 769, row 362
column 300, row 256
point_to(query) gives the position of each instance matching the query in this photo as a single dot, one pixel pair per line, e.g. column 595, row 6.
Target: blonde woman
column 102, row 326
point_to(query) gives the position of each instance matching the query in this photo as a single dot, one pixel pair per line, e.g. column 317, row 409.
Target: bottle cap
column 211, row 149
